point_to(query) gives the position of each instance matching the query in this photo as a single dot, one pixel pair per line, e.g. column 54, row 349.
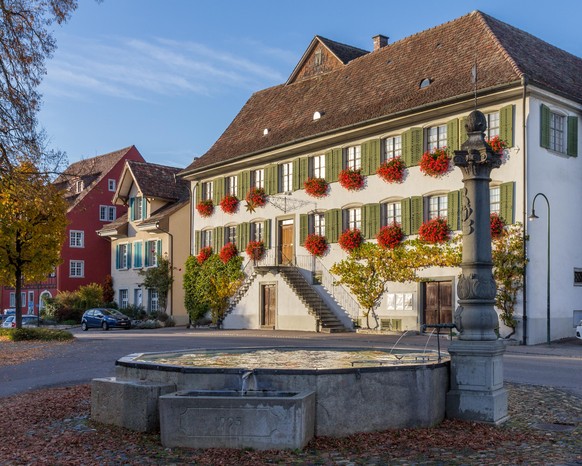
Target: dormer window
column 424, row 83
column 78, row 186
column 317, row 58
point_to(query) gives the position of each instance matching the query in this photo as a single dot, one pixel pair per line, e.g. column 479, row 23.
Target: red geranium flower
column 204, row 254
column 229, row 204
column 316, row 187
column 256, row 197
column 350, row 179
column 350, row 240
column 255, row 250
column 390, row 236
column 227, row 252
column 392, row 171
column 434, row 231
column 205, row 208
column 497, row 224
column 316, row 245
column 497, row 144
column 435, row 163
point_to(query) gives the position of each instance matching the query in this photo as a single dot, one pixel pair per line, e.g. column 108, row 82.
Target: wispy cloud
column 138, row 69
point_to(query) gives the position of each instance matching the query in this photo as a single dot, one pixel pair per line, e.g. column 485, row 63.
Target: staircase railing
column 338, row 292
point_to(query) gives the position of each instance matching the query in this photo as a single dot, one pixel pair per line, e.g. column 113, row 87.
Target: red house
column 89, row 185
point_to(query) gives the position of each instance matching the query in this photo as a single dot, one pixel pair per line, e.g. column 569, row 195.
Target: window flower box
column 205, row 208
column 350, row 240
column 497, row 225
column 204, row 254
column 316, row 187
column 390, row 236
column 227, row 252
column 392, row 170
column 229, row 204
column 316, row 245
column 255, row 250
column 434, row 231
column 256, row 197
column 350, row 179
column 497, row 144
column 435, row 163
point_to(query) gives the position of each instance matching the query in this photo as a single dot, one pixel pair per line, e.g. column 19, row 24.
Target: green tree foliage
column 32, row 228
column 509, row 261
column 70, row 305
column 26, row 42
column 209, row 286
column 159, row 278
column 368, row 269
column 108, row 291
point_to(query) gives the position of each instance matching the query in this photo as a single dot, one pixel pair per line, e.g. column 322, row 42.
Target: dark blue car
column 104, row 318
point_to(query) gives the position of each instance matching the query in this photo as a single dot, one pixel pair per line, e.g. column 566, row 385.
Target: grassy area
column 34, row 334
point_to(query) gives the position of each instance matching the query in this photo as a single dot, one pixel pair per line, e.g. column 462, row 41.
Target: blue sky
column 170, row 75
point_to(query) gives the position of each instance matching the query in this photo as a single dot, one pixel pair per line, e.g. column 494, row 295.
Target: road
column 93, row 354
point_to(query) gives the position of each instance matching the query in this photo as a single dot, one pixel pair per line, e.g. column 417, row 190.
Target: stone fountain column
column 477, row 392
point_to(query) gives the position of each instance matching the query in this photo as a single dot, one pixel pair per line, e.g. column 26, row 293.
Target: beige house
column 347, row 108
column 157, row 223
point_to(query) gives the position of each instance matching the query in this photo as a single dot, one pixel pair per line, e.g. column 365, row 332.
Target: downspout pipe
column 524, row 82
column 159, row 228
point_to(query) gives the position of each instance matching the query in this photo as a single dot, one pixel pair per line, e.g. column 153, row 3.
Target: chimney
column 380, row 41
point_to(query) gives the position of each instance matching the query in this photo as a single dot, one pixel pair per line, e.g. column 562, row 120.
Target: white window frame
column 317, row 224
column 76, row 239
column 257, row 231
column 437, row 206
column 558, row 123
column 495, row 200
column 436, row 137
column 392, row 213
column 231, row 185
column 76, row 269
column 150, row 259
column 286, row 176
column 493, row 122
column 230, row 234
column 392, row 147
column 207, row 190
column 318, row 166
column 354, row 157
column 123, row 298
column 353, row 218
column 154, row 300
column 123, row 259
column 111, row 184
column 107, row 213
column 12, row 299
column 78, row 186
column 137, row 208
column 258, row 178
column 205, row 238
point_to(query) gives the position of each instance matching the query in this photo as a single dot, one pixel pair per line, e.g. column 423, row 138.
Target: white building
column 345, row 107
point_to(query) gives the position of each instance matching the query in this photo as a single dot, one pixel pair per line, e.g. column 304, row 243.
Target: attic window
column 425, row 83
column 265, row 131
column 317, row 58
column 317, row 116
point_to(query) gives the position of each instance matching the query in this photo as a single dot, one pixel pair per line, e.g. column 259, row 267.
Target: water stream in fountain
column 426, row 344
column 248, row 382
column 398, row 341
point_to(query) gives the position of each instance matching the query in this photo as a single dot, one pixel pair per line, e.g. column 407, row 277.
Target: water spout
column 248, row 382
column 398, row 341
column 426, row 344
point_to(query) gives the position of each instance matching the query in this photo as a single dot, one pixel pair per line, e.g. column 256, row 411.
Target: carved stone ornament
column 476, row 287
column 458, row 318
column 466, row 212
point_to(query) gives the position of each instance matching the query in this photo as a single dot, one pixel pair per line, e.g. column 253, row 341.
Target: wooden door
column 287, row 248
column 268, row 305
column 438, row 308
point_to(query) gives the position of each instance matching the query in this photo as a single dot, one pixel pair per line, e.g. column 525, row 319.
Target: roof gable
column 385, row 83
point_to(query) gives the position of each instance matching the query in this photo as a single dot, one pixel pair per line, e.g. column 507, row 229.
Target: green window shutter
column 303, row 171
column 412, row 146
column 218, row 238
column 218, row 190
column 506, row 201
column 144, row 208
column 271, row 179
column 370, row 220
column 131, row 208
column 452, row 136
column 129, row 256
column 506, row 124
column 453, row 211
column 365, row 154
column 159, row 247
column 117, row 256
column 267, row 233
column 198, row 192
column 416, row 213
column 463, row 136
column 572, row 148
column 303, row 228
column 333, row 164
column 545, row 126
column 197, row 240
column 328, row 164
column 370, row 156
column 405, row 213
column 137, row 255
column 243, row 184
column 296, row 181
column 243, row 233
column 332, row 225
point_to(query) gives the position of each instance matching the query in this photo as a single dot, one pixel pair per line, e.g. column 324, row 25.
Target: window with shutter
column 506, row 201
column 416, row 214
column 370, row 156
column 453, row 136
column 453, row 210
column 506, row 125
column 406, row 216
column 572, row 145
column 303, row 228
column 333, row 225
column 267, row 233
column 371, row 220
column 412, row 146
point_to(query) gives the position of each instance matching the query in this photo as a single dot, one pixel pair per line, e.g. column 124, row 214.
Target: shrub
column 35, row 334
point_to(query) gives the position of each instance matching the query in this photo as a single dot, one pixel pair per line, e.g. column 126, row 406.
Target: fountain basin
column 363, row 394
column 260, row 419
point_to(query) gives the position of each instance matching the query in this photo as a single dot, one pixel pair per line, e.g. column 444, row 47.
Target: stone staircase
column 248, row 281
column 327, row 319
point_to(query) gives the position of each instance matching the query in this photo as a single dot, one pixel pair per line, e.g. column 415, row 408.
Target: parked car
column 27, row 321
column 579, row 330
column 8, row 312
column 105, row 319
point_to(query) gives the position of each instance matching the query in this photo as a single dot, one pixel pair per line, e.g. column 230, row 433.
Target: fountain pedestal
column 477, row 392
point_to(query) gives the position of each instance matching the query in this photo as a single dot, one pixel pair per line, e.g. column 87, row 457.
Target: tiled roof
column 165, row 211
column 118, row 225
column 91, row 171
column 346, row 53
column 386, row 82
column 159, row 181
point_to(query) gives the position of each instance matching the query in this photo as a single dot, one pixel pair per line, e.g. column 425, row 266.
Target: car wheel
column 84, row 326
column 104, row 326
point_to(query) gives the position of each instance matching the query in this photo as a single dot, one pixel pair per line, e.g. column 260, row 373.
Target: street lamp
column 533, row 216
